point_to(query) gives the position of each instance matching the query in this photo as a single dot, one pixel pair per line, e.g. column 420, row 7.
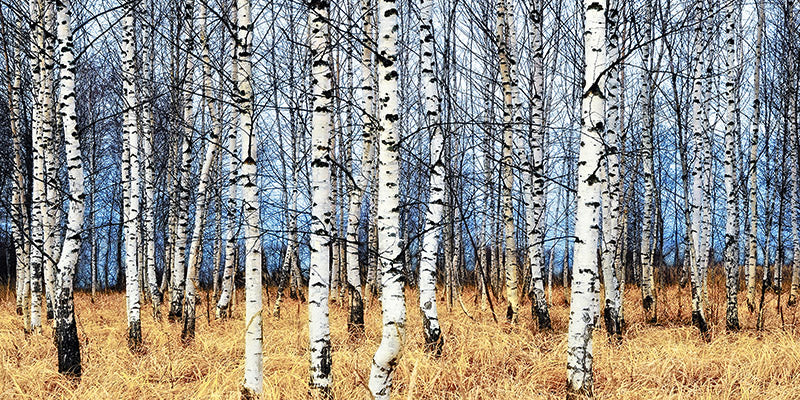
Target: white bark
column 612, row 183
column 38, row 189
column 184, row 181
column 433, row 217
column 584, row 303
column 196, row 248
column 131, row 132
column 648, row 279
column 732, row 14
column 504, row 31
column 389, row 241
column 321, row 207
column 752, row 238
column 69, row 359
column 253, row 352
column 355, row 321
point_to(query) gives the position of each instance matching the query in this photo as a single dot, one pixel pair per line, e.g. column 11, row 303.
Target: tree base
column 434, row 342
column 700, row 322
column 542, row 315
column 614, row 323
column 355, row 321
column 69, row 351
column 135, row 337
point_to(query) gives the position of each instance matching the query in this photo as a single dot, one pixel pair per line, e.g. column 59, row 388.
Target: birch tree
column 732, row 12
column 66, row 331
column 355, row 321
column 184, row 171
column 321, row 207
column 253, row 347
column 131, row 132
column 393, row 304
column 648, row 280
column 752, row 174
column 212, row 145
column 536, row 213
column 611, row 182
column 584, row 304
column 433, row 217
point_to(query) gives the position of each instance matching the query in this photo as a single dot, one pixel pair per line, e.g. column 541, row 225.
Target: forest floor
column 482, row 359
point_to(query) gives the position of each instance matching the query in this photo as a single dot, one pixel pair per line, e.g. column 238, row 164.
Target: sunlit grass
column 482, row 359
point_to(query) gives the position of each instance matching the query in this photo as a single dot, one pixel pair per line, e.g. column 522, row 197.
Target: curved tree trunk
column 390, row 243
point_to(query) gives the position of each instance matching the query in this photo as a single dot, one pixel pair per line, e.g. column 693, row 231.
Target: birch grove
column 464, row 159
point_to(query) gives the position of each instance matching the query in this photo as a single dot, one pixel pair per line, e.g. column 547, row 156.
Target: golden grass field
column 482, row 359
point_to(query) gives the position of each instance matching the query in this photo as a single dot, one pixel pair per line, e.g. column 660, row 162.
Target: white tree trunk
column 19, row 213
column 752, row 237
column 389, row 241
column 698, row 174
column 232, row 230
column 38, row 189
column 584, row 303
column 184, row 181
column 611, row 184
column 131, row 132
column 212, row 145
column 732, row 14
column 535, row 208
column 66, row 332
column 355, row 322
column 253, row 352
column 433, row 217
column 648, row 279
column 504, row 31
column 321, row 207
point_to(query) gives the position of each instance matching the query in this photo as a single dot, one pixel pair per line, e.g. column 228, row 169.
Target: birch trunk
column 232, row 230
column 19, row 209
column 184, row 171
column 648, row 279
column 732, row 13
column 355, row 321
column 38, row 190
column 66, row 332
column 389, row 241
column 196, row 247
column 433, row 217
column 131, row 132
column 612, row 184
column 698, row 174
column 253, row 352
column 536, row 215
column 503, row 33
column 752, row 237
column 321, row 207
column 51, row 204
column 584, row 303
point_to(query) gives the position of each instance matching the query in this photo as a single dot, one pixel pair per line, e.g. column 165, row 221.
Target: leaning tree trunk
column 390, row 243
column 584, row 304
column 321, row 212
column 433, row 217
column 253, row 346
column 184, row 172
column 66, row 332
column 195, row 249
column 131, row 132
column 731, row 172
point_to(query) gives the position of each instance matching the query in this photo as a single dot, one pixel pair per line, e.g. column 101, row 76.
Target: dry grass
column 482, row 359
